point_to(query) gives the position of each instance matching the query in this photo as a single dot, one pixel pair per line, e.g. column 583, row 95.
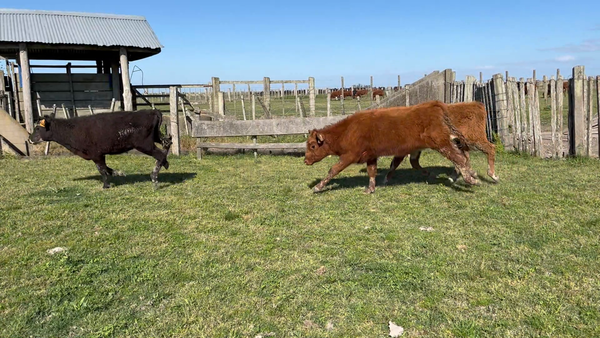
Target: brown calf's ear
column 320, row 138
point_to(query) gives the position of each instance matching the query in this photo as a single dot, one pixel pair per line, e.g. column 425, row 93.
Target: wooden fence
column 553, row 117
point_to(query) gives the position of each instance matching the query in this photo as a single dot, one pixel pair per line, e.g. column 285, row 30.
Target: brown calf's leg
column 342, row 164
column 489, row 149
column 460, row 161
column 393, row 165
column 372, row 170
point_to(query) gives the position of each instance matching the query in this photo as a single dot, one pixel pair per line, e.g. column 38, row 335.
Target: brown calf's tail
column 461, row 141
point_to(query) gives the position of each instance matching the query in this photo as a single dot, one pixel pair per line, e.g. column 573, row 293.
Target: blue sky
column 247, row 40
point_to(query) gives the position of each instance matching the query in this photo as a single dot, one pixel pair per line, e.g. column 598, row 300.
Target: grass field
column 231, row 246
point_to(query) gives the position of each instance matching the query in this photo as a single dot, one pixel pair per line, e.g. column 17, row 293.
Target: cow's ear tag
column 43, row 123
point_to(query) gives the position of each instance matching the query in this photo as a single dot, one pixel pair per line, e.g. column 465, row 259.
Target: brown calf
column 365, row 136
column 469, row 118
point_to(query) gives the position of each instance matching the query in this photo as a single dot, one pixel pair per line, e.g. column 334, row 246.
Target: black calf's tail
column 158, row 137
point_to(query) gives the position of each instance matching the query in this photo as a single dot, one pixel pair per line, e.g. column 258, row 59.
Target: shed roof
column 76, row 30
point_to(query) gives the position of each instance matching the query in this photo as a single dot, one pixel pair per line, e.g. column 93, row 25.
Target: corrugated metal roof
column 76, row 28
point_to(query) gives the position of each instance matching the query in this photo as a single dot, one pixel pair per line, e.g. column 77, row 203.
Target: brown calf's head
column 316, row 148
column 42, row 131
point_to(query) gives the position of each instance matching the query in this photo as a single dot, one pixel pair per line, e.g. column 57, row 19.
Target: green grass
column 231, row 246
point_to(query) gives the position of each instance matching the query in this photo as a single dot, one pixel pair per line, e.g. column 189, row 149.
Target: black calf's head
column 42, row 131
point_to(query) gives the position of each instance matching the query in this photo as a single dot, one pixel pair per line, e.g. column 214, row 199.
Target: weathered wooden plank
column 271, row 146
column 64, row 87
column 78, row 96
column 291, row 126
column 64, row 78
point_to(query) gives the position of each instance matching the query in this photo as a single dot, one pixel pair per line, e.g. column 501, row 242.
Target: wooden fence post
column 174, row 119
column 559, row 116
column 371, row 89
column 598, row 110
column 407, row 95
column 267, row 92
column 555, row 136
column 253, row 106
column 469, row 88
column 502, row 118
column 577, row 142
column 524, row 119
column 221, row 103
column 328, row 104
column 216, row 89
column 311, row 95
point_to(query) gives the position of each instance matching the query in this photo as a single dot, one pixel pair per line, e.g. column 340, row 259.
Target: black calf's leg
column 104, row 171
column 159, row 155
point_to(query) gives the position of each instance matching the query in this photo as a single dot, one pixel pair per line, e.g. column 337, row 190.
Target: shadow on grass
column 401, row 177
column 164, row 179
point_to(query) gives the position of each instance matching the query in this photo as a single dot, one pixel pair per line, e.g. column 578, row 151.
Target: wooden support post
column 228, row 94
column 253, row 106
column 577, row 113
column 47, row 150
column 174, row 119
column 216, row 89
column 127, row 98
column 300, row 107
column 378, row 101
column 311, row 96
column 448, row 80
column 243, row 107
column 358, row 103
column 545, row 86
column 267, row 92
column 296, row 95
column 407, row 95
column 282, row 99
column 26, row 82
column 116, row 85
column 234, row 92
column 399, row 82
column 71, row 89
column 328, row 104
column 3, row 105
column 371, row 90
column 99, row 67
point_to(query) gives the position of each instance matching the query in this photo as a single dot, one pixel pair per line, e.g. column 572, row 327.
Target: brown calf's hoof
column 369, row 190
column 316, row 189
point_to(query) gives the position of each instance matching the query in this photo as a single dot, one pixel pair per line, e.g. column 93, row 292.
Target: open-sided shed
column 112, row 41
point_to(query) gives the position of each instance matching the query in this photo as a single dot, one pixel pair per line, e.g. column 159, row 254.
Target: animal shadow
column 164, row 179
column 402, row 176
